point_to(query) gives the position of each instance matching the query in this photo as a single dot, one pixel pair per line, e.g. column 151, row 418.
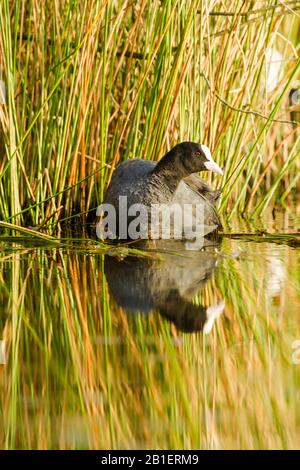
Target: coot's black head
column 196, row 157
column 187, row 158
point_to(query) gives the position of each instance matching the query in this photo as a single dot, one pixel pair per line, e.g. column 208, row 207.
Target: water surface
column 176, row 349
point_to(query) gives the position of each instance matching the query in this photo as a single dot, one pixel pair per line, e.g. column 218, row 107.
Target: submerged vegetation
column 91, row 83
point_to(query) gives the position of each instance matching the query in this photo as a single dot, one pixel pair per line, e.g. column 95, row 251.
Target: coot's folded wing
column 200, row 187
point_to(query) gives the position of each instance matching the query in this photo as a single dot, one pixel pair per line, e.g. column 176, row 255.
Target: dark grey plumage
column 171, row 180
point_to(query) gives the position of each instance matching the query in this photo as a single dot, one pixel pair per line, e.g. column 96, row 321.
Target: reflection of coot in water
column 142, row 285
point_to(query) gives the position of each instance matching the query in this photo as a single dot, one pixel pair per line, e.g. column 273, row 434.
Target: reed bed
column 91, row 83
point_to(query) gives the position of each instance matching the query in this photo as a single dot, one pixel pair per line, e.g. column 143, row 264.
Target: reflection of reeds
column 81, row 373
column 90, row 83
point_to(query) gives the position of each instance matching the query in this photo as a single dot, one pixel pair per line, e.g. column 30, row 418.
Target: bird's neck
column 170, row 168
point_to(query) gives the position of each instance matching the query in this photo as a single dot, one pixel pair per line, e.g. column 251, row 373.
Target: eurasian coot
column 170, row 183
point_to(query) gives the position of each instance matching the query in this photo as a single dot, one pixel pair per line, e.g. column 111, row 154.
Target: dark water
column 175, row 349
